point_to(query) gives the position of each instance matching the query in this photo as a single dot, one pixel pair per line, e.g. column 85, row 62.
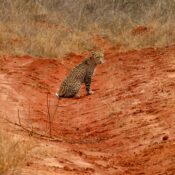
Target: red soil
column 126, row 127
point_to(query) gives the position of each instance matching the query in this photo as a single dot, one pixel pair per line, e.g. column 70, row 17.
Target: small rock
column 165, row 137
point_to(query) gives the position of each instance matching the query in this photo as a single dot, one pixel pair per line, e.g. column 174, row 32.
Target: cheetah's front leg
column 88, row 85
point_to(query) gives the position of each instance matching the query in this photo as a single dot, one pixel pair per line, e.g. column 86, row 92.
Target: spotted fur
column 82, row 73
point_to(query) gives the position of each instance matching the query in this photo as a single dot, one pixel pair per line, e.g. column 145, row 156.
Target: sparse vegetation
column 13, row 152
column 54, row 28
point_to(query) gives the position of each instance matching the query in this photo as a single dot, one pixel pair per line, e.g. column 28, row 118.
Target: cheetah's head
column 98, row 57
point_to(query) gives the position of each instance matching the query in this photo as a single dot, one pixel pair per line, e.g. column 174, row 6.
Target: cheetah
column 82, row 73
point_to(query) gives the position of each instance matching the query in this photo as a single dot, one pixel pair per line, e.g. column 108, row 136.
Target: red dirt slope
column 125, row 128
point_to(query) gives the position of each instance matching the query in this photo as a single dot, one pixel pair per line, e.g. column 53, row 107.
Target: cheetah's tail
column 57, row 95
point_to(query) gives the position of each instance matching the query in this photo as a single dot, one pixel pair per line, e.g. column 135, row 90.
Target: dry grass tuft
column 13, row 152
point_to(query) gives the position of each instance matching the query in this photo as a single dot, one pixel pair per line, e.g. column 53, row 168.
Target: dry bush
column 13, row 151
column 54, row 28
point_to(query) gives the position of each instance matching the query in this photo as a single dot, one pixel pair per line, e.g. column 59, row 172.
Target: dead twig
column 50, row 117
column 19, row 120
column 31, row 131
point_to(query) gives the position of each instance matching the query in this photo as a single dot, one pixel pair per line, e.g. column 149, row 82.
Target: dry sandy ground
column 127, row 127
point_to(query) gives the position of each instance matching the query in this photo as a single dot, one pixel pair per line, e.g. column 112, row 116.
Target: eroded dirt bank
column 125, row 128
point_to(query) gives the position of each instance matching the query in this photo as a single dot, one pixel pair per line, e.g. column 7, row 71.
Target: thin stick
column 19, row 119
column 55, row 111
column 49, row 116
